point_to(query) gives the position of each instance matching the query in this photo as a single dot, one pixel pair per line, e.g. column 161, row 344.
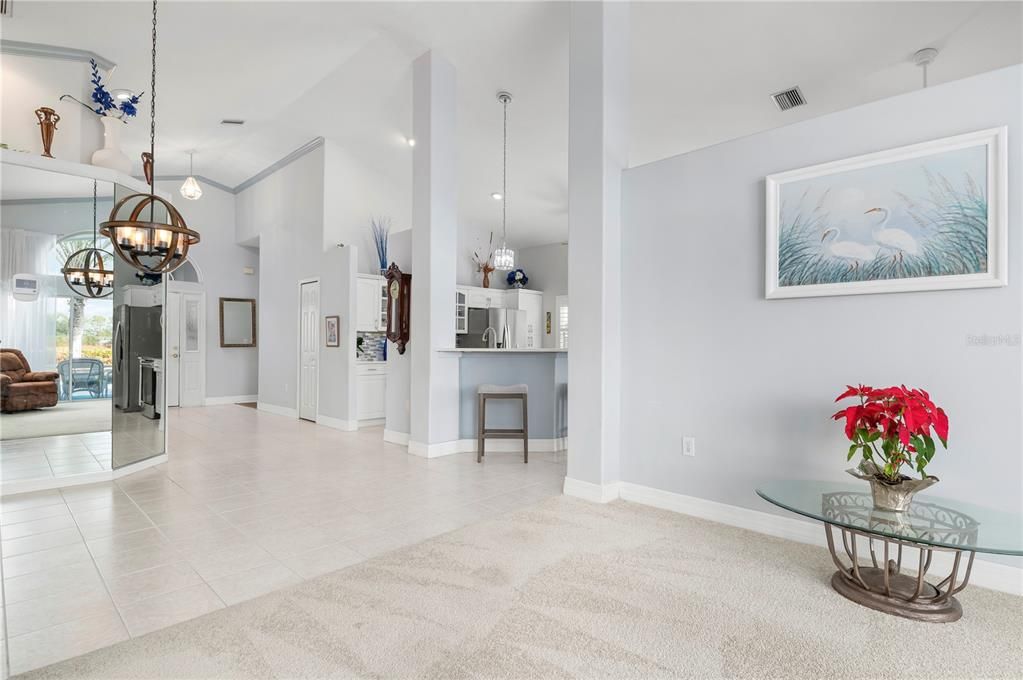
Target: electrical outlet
column 688, row 446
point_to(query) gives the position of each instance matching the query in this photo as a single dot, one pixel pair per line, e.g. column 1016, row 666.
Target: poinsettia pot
column 889, row 495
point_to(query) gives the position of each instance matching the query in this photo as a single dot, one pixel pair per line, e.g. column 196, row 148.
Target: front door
column 309, row 335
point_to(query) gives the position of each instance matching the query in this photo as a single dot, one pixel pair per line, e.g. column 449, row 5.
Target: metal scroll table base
column 883, row 587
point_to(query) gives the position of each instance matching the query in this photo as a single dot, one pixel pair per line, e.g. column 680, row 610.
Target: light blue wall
column 545, row 374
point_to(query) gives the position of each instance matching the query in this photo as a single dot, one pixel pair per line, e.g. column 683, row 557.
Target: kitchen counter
column 545, row 371
column 519, row 350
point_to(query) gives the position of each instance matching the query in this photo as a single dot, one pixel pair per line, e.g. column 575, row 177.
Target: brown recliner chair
column 21, row 388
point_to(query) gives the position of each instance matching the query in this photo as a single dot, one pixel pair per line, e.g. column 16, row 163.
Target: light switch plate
column 689, row 446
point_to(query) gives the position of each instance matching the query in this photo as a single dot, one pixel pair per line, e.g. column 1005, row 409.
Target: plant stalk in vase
column 485, row 265
column 381, row 228
column 892, row 427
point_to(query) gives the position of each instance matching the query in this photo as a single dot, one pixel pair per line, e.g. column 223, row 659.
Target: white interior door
column 192, row 370
column 309, row 336
column 172, row 363
column 185, row 366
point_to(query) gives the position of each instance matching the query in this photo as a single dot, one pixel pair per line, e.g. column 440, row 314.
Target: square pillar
column 434, row 378
column 597, row 154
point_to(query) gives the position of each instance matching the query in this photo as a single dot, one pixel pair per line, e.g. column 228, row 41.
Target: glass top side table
column 931, row 524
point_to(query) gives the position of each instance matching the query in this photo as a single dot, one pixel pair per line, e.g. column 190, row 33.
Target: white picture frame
column 995, row 143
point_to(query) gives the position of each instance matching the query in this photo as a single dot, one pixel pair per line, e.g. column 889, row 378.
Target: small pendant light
column 504, row 257
column 89, row 272
column 191, row 189
column 159, row 244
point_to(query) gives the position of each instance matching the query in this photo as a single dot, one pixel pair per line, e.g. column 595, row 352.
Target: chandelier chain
column 504, row 177
column 94, row 222
column 152, row 112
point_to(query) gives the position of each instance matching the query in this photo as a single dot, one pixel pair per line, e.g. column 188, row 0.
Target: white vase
column 111, row 156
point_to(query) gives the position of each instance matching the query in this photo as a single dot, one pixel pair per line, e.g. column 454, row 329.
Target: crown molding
column 202, row 178
column 309, row 146
column 30, row 49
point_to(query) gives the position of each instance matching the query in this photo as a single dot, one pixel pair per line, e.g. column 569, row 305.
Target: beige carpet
column 571, row 589
column 67, row 417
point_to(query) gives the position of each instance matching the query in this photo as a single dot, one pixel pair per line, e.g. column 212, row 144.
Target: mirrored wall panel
column 139, row 411
column 56, row 343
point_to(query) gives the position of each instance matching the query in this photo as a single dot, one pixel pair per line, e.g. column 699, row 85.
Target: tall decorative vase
column 48, row 119
column 111, row 156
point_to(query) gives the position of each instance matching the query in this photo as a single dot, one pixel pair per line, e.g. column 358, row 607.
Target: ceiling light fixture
column 504, row 257
column 496, row 196
column 924, row 58
column 191, row 189
column 410, row 141
column 159, row 244
column 89, row 272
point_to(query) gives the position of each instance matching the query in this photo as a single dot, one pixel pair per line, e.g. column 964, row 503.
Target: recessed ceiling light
column 410, row 141
column 496, row 196
column 232, row 121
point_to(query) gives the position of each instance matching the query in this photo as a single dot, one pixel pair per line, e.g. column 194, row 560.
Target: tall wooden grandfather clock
column 399, row 300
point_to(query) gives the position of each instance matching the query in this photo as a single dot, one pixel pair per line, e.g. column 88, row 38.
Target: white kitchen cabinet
column 370, row 308
column 529, row 333
column 370, row 391
column 485, row 298
column 461, row 311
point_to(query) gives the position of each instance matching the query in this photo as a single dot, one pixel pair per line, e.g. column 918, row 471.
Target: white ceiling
column 702, row 73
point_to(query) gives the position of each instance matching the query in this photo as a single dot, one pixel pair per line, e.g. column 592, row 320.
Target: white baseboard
column 588, row 491
column 239, row 399
column 993, row 575
column 277, row 410
column 493, row 445
column 369, row 422
column 336, row 423
column 400, row 438
column 30, row 485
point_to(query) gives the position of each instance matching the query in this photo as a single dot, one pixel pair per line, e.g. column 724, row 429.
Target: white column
column 597, row 154
column 434, row 380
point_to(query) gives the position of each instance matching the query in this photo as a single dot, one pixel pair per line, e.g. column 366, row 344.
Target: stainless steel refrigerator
column 506, row 325
column 137, row 335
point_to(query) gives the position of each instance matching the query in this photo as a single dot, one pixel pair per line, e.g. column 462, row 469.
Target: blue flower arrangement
column 517, row 279
column 104, row 103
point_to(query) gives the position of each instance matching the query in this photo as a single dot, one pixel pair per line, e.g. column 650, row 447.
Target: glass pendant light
column 504, row 257
column 191, row 189
column 89, row 272
column 159, row 244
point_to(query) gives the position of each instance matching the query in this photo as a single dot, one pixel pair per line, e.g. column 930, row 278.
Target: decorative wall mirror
column 237, row 322
column 399, row 298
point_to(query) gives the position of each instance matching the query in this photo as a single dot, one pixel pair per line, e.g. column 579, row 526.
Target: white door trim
column 298, row 355
column 189, row 288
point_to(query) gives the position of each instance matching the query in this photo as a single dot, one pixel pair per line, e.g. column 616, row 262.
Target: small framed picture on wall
column 332, row 331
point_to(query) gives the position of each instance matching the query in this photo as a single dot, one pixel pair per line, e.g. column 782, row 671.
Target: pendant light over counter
column 158, row 242
column 504, row 257
column 191, row 189
column 89, row 272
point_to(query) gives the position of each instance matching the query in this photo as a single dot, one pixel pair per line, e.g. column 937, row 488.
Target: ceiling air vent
column 226, row 121
column 788, row 99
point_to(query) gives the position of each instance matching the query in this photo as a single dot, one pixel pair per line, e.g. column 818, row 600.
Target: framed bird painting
column 930, row 216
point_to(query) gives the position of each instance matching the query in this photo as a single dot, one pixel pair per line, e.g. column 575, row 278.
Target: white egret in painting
column 894, row 239
column 851, row 251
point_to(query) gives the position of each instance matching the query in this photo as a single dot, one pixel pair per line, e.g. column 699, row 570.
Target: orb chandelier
column 89, row 272
column 504, row 257
column 147, row 231
column 191, row 189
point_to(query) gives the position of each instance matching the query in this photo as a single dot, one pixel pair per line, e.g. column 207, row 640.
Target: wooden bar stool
column 486, row 392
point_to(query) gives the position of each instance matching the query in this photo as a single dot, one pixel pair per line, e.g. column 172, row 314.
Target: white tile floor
column 57, row 456
column 248, row 503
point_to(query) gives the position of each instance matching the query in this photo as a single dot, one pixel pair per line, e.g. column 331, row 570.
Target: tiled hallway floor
column 248, row 503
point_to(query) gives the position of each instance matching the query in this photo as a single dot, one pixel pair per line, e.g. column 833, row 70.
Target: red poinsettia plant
column 892, row 427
